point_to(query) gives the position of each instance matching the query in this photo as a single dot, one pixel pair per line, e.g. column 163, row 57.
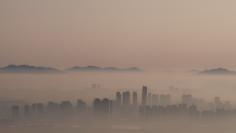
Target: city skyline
column 126, row 104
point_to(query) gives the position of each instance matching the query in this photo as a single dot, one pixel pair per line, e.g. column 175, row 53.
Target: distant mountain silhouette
column 218, row 71
column 103, row 69
column 28, row 69
column 43, row 69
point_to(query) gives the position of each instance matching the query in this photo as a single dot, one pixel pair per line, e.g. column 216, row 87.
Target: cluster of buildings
column 50, row 109
column 126, row 103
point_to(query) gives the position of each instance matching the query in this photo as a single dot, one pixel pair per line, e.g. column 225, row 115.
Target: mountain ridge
column 43, row 69
column 103, row 69
column 218, row 71
column 28, row 69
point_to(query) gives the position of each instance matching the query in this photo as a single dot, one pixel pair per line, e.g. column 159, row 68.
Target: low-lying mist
column 87, row 85
column 21, row 89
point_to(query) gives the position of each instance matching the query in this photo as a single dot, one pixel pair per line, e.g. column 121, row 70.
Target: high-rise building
column 38, row 108
column 97, row 105
column 126, row 98
column 103, row 106
column 81, row 105
column 15, row 110
column 144, row 96
column 118, row 99
column 135, row 99
column 66, row 106
column 26, row 110
column 53, row 107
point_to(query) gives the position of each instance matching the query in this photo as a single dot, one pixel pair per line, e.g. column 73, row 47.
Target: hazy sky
column 144, row 33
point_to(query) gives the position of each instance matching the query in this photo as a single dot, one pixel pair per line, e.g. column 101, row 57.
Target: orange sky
column 144, row 33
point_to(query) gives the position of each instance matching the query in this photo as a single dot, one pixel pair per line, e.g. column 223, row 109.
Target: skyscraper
column 81, row 105
column 135, row 98
column 38, row 108
column 118, row 99
column 53, row 107
column 15, row 110
column 97, row 105
column 103, row 106
column 26, row 110
column 126, row 98
column 106, row 106
column 66, row 106
column 144, row 96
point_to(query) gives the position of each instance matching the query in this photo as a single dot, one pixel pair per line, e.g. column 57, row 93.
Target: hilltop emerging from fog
column 218, row 71
column 43, row 69
column 103, row 69
column 28, row 69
